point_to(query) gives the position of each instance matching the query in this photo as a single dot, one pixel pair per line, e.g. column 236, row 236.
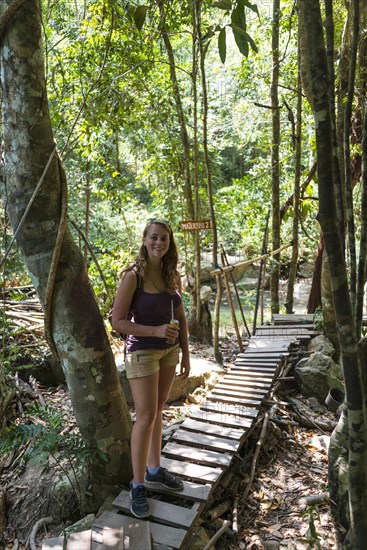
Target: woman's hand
column 184, row 368
column 167, row 331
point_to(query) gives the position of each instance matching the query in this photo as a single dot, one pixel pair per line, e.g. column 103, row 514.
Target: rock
column 322, row 344
column 306, row 270
column 316, row 375
column 205, row 293
column 82, row 525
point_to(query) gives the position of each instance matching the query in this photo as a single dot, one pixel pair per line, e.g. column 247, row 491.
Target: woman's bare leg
column 145, row 395
column 166, row 376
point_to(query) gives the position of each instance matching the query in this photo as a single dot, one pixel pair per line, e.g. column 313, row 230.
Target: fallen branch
column 32, row 537
column 235, row 516
column 323, row 425
column 257, row 452
column 221, row 509
column 217, row 535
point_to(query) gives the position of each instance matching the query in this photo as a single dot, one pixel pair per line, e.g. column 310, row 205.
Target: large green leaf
column 222, row 46
column 139, row 16
column 241, row 39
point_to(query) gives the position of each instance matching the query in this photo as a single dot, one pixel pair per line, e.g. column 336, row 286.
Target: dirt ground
column 292, row 465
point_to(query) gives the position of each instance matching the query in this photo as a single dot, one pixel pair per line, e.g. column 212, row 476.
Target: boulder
column 321, row 344
column 316, row 375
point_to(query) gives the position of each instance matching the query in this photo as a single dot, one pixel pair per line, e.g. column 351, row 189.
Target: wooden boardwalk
column 201, row 450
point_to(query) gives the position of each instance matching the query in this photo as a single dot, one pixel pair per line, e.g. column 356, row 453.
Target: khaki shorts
column 145, row 362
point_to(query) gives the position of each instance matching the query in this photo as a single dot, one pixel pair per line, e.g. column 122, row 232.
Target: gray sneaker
column 139, row 506
column 163, row 479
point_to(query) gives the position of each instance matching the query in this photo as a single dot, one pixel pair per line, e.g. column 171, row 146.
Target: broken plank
column 197, row 455
column 161, row 534
column 235, row 399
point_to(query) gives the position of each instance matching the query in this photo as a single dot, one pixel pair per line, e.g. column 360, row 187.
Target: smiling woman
column 152, row 352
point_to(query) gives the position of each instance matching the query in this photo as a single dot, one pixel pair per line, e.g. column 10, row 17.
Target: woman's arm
column 183, row 339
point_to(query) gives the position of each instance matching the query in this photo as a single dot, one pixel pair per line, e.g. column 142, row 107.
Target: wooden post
column 236, row 291
column 230, row 302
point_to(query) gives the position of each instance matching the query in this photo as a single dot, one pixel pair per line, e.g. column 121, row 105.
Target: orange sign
column 196, row 225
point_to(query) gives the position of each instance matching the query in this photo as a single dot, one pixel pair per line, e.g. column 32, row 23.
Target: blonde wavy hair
column 169, row 261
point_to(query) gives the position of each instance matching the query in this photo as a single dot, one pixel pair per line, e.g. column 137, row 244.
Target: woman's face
column 156, row 241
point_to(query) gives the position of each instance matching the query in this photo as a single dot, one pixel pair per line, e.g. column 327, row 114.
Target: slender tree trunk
column 329, row 27
column 347, row 156
column 275, row 270
column 362, row 262
column 297, row 181
column 356, row 535
column 73, row 322
column 180, row 111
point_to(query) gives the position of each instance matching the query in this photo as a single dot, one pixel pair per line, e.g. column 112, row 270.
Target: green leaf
column 222, row 46
column 240, row 37
column 252, row 43
column 139, row 16
column 238, row 16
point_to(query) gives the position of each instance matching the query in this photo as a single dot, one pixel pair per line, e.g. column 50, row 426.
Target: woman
column 152, row 352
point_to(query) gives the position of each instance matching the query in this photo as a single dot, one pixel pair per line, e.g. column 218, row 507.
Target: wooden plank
column 237, row 400
column 262, row 374
column 113, row 539
column 139, row 535
column 222, row 419
column 161, row 534
column 254, row 367
column 266, row 363
column 197, row 455
column 246, row 388
column 205, row 427
column 240, row 379
column 208, row 441
column 293, row 317
column 263, row 345
column 264, row 353
column 226, row 408
column 169, row 514
column 192, row 490
column 192, row 471
column 241, row 395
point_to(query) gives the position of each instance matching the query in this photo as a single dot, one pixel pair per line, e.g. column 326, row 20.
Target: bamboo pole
column 230, row 302
column 236, row 292
column 222, row 270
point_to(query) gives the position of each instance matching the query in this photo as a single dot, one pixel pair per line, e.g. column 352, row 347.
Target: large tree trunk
column 75, row 327
column 356, row 534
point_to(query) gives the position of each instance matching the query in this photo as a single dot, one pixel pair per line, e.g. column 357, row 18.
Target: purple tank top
column 152, row 309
